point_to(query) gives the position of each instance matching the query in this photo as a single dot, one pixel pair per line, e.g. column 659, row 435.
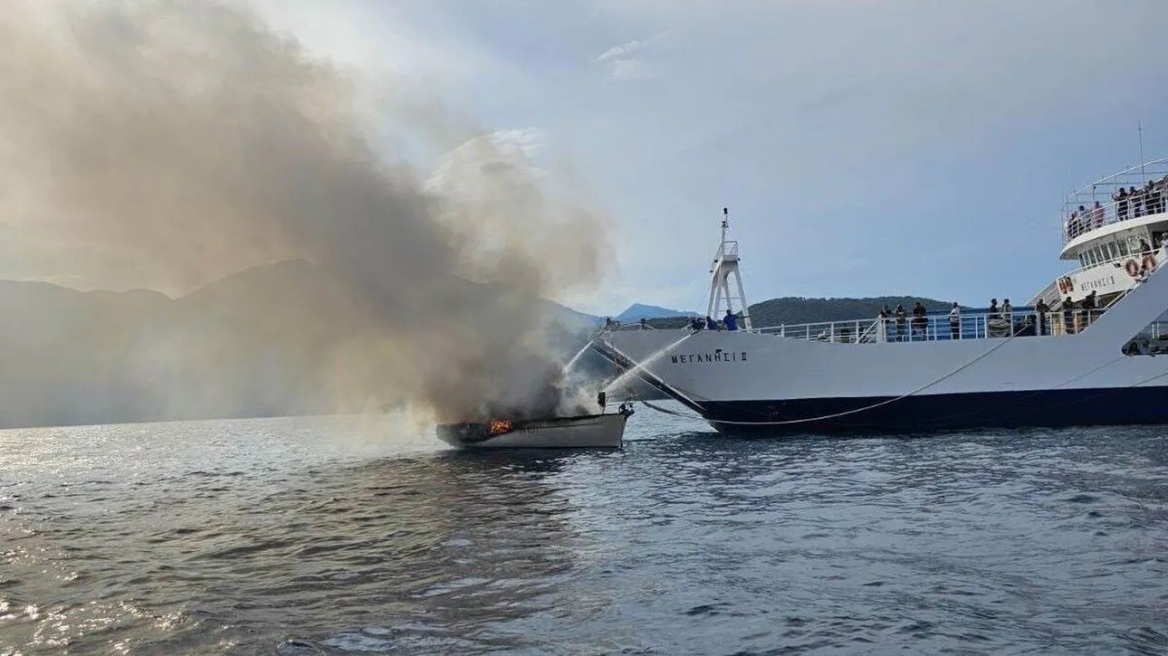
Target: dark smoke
column 164, row 144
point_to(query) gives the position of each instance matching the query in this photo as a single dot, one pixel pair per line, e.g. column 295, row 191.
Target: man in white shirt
column 955, row 322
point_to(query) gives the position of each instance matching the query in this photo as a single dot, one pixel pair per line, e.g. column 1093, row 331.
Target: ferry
column 1081, row 352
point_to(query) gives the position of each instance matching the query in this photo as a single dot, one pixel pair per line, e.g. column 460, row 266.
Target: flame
column 499, row 426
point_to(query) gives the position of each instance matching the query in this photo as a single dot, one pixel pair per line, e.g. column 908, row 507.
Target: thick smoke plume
column 166, row 144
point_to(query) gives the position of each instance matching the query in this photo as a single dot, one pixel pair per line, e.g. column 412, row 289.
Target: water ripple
column 300, row 537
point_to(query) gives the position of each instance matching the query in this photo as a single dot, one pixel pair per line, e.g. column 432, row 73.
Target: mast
column 726, row 267
column 1140, row 130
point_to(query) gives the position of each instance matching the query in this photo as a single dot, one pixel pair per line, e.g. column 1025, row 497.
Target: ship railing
column 1157, row 330
column 1051, row 295
column 1021, row 322
column 1078, row 222
column 727, row 249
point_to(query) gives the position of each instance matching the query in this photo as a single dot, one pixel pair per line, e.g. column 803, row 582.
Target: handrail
column 1077, row 222
column 1138, row 169
column 1019, row 322
column 936, row 327
column 727, row 248
column 1157, row 330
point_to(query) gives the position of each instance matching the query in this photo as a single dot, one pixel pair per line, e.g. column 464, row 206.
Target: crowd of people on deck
column 729, row 323
column 1000, row 320
column 1130, row 203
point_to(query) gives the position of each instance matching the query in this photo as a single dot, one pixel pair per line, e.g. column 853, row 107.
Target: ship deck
column 1098, row 204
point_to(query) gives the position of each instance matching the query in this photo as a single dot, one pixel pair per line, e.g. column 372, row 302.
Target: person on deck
column 919, row 323
column 1120, row 198
column 1089, row 304
column 730, row 320
column 955, row 321
column 1069, row 316
column 1041, row 309
column 900, row 320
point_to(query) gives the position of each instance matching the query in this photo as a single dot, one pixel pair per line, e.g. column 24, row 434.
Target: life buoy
column 1150, row 262
column 1132, row 268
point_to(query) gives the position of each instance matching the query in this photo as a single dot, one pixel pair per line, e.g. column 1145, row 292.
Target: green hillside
column 794, row 310
column 791, row 310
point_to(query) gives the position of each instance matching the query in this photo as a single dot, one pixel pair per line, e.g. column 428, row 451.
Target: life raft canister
column 1132, row 268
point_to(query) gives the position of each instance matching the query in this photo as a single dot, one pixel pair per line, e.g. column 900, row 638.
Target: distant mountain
column 796, row 310
column 268, row 341
column 638, row 311
column 571, row 319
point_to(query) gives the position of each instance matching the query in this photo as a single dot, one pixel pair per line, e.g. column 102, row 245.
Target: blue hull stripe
column 1042, row 408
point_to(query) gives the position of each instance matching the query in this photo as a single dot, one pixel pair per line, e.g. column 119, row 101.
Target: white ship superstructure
column 1082, row 351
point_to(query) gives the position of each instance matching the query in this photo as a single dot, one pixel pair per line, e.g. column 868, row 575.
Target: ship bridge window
column 1109, row 251
column 1122, row 246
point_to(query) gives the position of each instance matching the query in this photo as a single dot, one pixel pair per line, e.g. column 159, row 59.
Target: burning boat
column 605, row 430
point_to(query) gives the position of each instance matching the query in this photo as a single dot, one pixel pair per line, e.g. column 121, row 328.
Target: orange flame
column 500, row 426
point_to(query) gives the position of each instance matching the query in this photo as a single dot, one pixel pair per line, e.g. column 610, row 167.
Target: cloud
column 634, row 60
column 809, row 118
column 623, row 51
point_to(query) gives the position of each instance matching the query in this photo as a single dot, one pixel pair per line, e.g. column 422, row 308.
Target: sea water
column 349, row 536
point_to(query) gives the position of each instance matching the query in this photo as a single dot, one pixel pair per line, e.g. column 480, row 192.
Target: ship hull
column 750, row 382
column 582, row 432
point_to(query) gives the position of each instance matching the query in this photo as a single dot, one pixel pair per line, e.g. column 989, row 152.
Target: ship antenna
column 1140, row 130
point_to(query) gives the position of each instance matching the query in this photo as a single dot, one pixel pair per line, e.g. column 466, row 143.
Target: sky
column 863, row 148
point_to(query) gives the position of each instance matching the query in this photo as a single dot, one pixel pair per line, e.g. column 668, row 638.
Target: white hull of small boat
column 583, row 432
